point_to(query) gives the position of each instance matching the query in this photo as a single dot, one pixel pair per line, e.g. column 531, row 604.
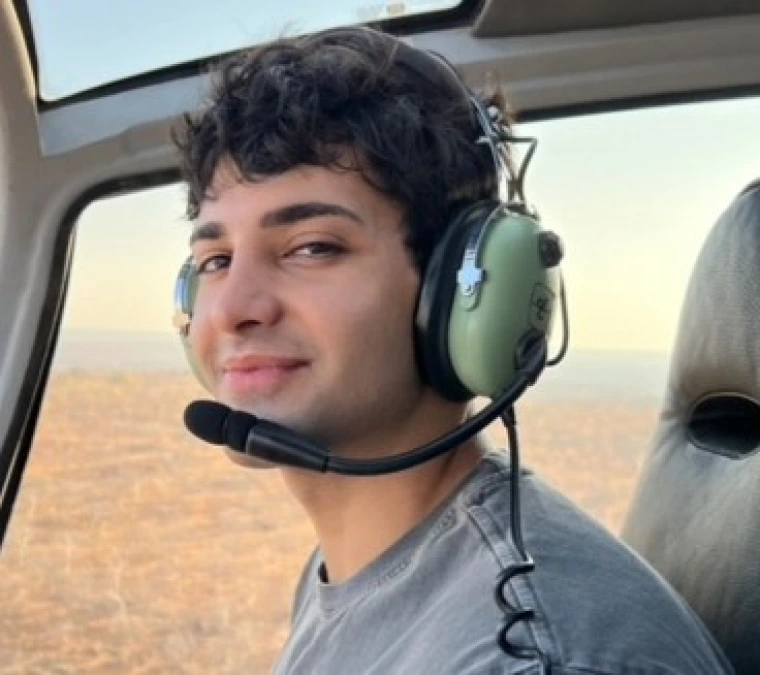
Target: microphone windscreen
column 237, row 428
column 206, row 420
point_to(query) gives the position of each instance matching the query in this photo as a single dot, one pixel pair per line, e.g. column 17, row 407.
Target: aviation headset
column 489, row 292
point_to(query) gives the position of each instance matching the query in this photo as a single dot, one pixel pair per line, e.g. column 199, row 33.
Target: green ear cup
column 191, row 360
column 185, row 291
column 436, row 297
column 505, row 297
column 487, row 295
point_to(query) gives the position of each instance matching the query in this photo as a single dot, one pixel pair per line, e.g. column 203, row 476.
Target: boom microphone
column 218, row 424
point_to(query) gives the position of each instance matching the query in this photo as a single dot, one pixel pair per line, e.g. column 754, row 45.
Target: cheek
column 374, row 323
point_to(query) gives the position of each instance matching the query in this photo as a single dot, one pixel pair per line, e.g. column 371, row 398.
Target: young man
column 321, row 175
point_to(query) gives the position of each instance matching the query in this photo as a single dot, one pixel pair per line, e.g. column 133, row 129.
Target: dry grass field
column 135, row 549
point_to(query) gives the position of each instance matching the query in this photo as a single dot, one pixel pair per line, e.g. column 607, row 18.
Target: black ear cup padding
column 436, row 298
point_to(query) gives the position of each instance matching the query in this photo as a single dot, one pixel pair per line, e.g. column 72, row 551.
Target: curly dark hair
column 343, row 98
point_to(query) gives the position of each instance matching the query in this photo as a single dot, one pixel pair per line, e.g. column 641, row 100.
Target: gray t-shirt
column 427, row 605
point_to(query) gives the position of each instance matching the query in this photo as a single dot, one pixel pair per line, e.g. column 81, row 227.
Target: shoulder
column 598, row 607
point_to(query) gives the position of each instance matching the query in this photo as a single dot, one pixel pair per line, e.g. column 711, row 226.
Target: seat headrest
column 718, row 344
column 696, row 512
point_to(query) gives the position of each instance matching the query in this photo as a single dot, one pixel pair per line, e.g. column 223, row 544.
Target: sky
column 632, row 194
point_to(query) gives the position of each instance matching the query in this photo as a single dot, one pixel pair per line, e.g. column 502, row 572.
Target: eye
column 212, row 264
column 317, row 249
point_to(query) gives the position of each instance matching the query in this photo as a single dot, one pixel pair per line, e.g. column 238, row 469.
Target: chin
column 263, row 408
column 271, row 412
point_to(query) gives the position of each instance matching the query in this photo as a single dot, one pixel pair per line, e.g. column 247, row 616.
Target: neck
column 357, row 518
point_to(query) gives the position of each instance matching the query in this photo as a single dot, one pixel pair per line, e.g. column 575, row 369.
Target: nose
column 245, row 297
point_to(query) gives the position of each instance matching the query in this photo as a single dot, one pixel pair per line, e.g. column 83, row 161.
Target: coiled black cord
column 514, row 615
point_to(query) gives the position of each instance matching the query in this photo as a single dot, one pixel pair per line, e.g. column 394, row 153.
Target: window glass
column 135, row 548
column 633, row 195
column 81, row 44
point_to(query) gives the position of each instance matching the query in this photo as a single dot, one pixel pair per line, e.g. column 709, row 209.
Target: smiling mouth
column 260, row 379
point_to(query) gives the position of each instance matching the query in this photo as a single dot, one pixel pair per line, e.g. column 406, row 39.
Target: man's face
column 305, row 305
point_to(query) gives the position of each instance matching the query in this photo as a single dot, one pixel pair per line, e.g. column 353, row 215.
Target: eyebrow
column 283, row 217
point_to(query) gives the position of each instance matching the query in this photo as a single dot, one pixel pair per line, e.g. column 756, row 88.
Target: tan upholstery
column 696, row 514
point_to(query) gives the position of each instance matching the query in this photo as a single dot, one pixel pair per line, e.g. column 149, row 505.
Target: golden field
column 136, row 549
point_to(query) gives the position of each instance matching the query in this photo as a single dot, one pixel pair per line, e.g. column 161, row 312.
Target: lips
column 254, row 361
column 259, row 374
